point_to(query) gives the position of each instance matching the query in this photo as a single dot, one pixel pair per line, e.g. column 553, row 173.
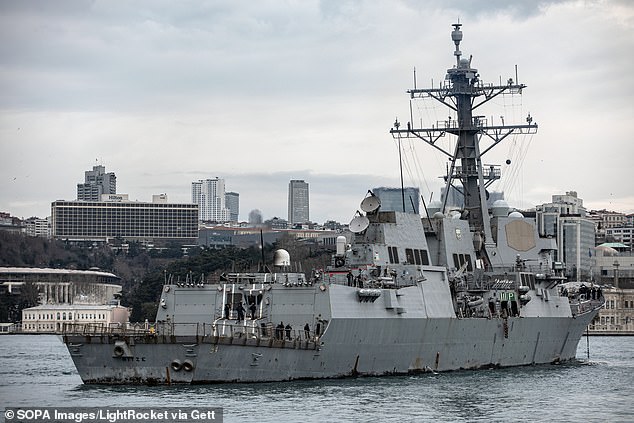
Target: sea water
column 38, row 371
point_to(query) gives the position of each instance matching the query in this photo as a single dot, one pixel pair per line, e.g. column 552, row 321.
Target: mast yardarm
column 463, row 92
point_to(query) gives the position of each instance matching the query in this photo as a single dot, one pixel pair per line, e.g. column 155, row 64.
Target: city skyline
column 266, row 93
column 150, row 197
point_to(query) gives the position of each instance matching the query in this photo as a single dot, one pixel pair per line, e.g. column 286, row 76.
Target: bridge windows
column 393, row 255
column 459, row 260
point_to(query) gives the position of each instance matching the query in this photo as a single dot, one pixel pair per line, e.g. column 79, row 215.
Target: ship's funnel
column 281, row 258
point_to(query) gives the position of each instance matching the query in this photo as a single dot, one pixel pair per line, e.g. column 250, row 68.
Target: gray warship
column 455, row 289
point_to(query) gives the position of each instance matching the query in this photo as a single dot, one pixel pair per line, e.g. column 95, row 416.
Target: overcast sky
column 260, row 92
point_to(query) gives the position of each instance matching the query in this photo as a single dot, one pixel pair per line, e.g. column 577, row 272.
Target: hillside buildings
column 232, row 200
column 35, row 226
column 157, row 223
column 298, row 202
column 97, row 183
column 210, row 197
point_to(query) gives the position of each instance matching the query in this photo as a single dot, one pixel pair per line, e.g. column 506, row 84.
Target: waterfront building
column 209, row 195
column 393, row 199
column 51, row 318
column 61, row 286
column 97, row 182
column 617, row 315
column 63, row 290
column 232, row 200
column 298, row 202
column 104, row 221
column 614, row 271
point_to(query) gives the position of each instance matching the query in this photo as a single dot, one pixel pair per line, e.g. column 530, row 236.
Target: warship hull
column 350, row 346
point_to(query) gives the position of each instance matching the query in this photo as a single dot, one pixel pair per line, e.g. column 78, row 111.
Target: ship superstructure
column 457, row 289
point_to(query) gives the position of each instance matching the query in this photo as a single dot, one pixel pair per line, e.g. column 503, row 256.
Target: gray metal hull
column 351, row 347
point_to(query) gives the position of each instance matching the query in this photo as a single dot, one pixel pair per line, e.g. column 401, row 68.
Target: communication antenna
column 359, row 223
column 370, row 203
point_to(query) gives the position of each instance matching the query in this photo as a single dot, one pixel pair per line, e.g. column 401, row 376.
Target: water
column 38, row 371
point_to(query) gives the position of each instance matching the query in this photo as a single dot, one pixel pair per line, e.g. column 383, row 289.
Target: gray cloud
column 262, row 92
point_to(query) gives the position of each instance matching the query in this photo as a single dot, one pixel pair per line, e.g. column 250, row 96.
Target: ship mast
column 463, row 92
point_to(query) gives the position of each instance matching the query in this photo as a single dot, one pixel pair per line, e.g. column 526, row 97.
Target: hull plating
column 350, row 347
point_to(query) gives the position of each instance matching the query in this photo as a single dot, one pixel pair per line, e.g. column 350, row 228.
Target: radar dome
column 455, row 214
column 341, row 245
column 438, row 215
column 281, row 258
column 516, row 214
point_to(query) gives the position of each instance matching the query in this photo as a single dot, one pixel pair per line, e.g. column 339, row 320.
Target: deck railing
column 223, row 331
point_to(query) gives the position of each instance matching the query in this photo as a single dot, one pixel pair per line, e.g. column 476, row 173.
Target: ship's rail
column 582, row 306
column 221, row 332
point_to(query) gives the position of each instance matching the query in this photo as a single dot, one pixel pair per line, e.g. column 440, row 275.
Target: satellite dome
column 516, row 214
column 281, row 258
column 438, row 215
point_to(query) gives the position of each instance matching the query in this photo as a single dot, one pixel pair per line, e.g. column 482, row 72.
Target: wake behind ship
column 458, row 289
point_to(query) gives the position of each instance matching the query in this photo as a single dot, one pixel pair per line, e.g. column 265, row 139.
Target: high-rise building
column 232, row 200
column 97, row 182
column 565, row 220
column 298, row 202
column 209, row 194
column 392, row 199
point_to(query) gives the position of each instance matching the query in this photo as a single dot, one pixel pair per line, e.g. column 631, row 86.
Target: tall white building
column 298, row 202
column 210, row 196
column 96, row 183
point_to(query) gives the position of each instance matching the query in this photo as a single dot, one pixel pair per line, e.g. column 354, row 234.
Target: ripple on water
column 37, row 370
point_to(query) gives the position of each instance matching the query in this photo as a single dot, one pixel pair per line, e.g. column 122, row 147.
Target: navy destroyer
column 470, row 288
